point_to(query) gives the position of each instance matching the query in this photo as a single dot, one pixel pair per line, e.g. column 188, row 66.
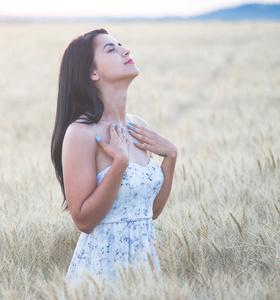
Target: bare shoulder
column 79, row 137
column 139, row 121
column 79, row 132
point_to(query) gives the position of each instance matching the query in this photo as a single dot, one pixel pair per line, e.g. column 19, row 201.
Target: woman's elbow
column 84, row 226
column 84, row 223
column 88, row 229
column 155, row 215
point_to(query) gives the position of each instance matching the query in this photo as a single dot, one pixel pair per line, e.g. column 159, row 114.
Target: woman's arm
column 87, row 202
column 153, row 142
column 167, row 166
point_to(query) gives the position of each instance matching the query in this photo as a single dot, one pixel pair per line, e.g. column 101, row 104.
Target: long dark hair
column 77, row 97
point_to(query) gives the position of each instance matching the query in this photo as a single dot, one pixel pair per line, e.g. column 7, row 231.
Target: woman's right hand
column 118, row 147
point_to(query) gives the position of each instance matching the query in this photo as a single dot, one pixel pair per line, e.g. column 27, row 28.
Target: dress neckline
column 130, row 163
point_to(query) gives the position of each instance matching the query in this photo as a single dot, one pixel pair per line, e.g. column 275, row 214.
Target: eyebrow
column 111, row 44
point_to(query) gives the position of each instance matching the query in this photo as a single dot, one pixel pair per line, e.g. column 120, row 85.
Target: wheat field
column 214, row 90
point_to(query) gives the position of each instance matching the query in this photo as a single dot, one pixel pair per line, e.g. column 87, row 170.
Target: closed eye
column 111, row 45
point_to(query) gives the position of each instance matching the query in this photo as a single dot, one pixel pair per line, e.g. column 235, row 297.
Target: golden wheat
column 213, row 89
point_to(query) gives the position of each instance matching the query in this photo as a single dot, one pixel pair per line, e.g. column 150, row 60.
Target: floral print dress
column 126, row 233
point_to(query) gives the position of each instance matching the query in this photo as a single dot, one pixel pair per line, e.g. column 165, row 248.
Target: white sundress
column 126, row 232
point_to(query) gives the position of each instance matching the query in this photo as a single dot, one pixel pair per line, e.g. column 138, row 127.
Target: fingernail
column 131, row 131
column 129, row 126
column 123, row 128
column 136, row 143
column 119, row 124
column 129, row 138
column 131, row 123
column 97, row 138
column 113, row 124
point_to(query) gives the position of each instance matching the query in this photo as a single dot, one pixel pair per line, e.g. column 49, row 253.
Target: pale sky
column 118, row 8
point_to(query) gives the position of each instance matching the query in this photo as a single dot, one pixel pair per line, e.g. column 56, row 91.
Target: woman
column 103, row 159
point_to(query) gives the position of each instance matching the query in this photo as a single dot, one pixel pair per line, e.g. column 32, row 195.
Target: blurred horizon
column 122, row 8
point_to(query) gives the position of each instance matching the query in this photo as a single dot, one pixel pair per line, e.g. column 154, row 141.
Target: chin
column 136, row 73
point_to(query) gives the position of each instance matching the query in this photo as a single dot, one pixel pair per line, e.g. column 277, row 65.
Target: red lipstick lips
column 130, row 61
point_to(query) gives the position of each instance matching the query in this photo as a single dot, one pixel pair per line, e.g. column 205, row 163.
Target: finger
column 128, row 141
column 140, row 137
column 142, row 146
column 123, row 133
column 113, row 131
column 112, row 127
column 118, row 129
column 146, row 136
column 140, row 129
column 100, row 142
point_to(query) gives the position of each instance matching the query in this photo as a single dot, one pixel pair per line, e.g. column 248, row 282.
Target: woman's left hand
column 152, row 141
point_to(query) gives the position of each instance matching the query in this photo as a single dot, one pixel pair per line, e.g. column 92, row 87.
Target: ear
column 94, row 76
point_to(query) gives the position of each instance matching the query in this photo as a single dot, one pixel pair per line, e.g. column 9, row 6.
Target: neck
column 114, row 100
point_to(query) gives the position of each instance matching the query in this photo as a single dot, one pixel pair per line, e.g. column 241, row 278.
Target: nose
column 126, row 51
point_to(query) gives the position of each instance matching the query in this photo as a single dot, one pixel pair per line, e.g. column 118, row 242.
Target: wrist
column 172, row 153
column 121, row 162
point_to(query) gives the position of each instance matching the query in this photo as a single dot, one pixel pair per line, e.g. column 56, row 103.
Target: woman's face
column 112, row 61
